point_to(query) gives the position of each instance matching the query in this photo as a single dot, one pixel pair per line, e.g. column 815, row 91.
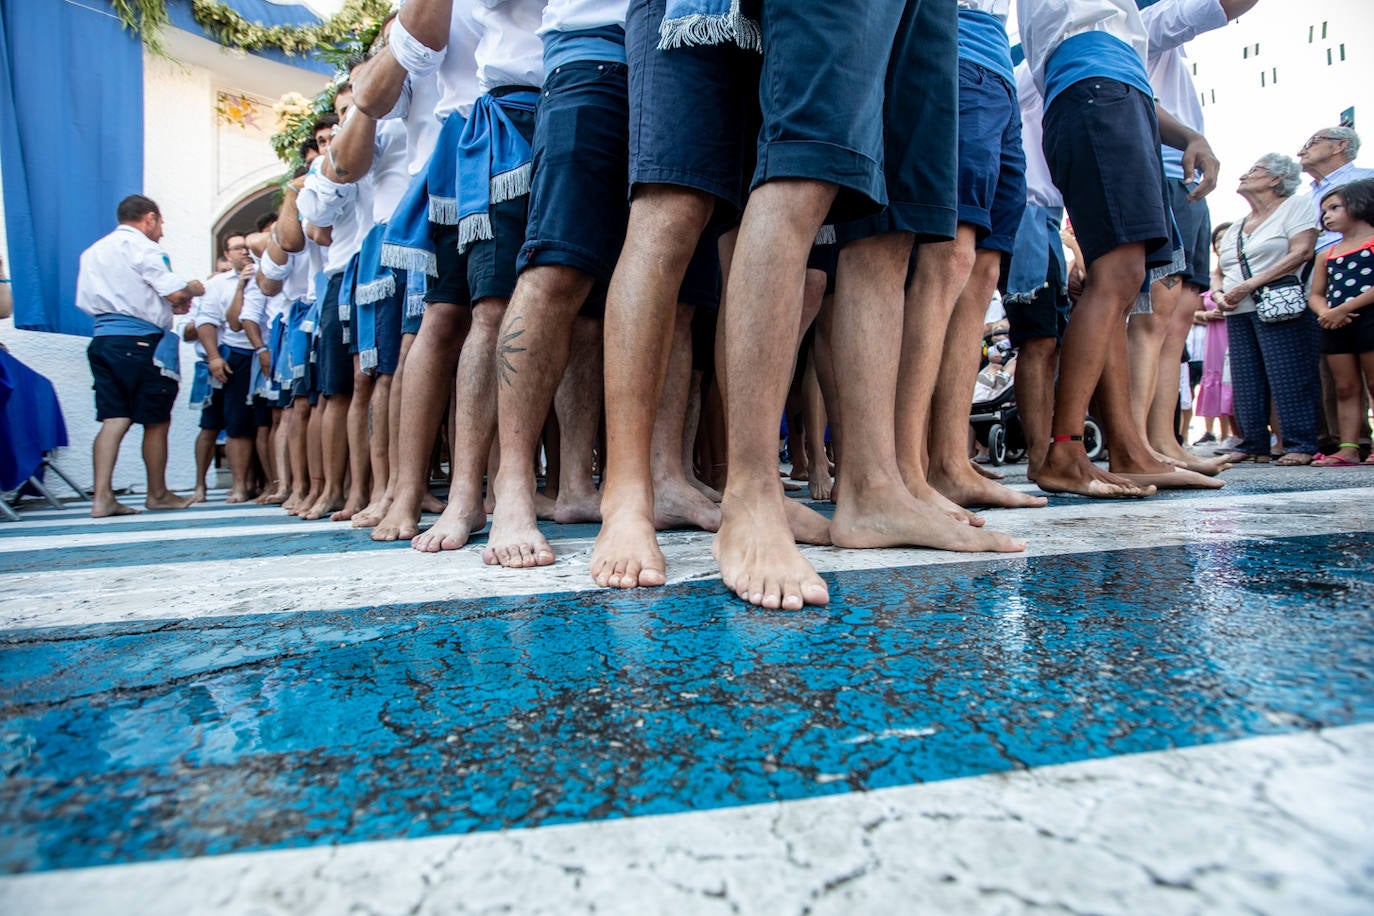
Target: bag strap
column 1240, row 250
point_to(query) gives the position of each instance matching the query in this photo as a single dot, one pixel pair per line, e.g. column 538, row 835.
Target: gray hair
column 1352, row 139
column 1284, row 169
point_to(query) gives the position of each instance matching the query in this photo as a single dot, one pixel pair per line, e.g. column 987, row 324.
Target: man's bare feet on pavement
column 759, row 560
column 677, row 504
column 704, row 489
column 924, row 492
column 544, row 507
column 233, row 497
column 515, row 540
column 452, row 530
column 889, row 516
column 400, row 523
column 168, row 500
column 820, row 486
column 199, row 495
column 626, row 554
column 806, row 524
column 966, row 487
column 1068, row 470
column 107, row 508
column 372, row 513
column 1174, row 479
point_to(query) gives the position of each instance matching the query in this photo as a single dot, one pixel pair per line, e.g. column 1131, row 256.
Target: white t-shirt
column 576, row 15
column 457, row 75
column 511, row 53
column 1040, row 188
column 127, row 273
column 214, row 305
column 1045, row 24
column 390, row 172
column 1169, row 25
column 1265, row 244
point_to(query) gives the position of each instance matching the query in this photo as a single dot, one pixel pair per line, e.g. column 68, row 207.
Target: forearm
column 428, row 21
column 253, row 332
column 1174, row 132
column 350, row 155
column 377, row 85
column 1237, row 8
column 231, row 315
column 208, row 335
column 288, row 232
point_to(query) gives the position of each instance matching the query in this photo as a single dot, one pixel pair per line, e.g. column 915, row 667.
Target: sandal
column 1335, row 460
column 1294, row 460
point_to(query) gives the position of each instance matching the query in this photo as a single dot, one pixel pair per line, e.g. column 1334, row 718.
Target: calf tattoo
column 505, row 369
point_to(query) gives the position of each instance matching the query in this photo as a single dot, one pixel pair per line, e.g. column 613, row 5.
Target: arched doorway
column 242, row 215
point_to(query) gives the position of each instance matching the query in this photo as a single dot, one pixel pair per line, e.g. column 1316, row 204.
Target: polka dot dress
column 1348, row 275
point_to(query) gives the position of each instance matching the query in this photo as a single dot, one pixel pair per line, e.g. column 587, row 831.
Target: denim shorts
column 693, row 112
column 919, row 118
column 127, row 383
column 992, row 165
column 1194, row 223
column 579, row 192
column 1102, row 145
column 387, row 315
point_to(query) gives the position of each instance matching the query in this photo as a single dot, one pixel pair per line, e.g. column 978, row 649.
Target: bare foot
column 820, row 486
column 168, row 500
column 941, row 503
column 1068, row 470
column 677, row 504
column 234, row 496
column 544, row 507
column 106, row 508
column 350, row 508
column 272, row 498
column 452, row 530
column 323, row 507
column 573, row 508
column 966, row 488
column 986, row 471
column 759, row 560
column 704, row 489
column 799, row 472
column 431, row 504
column 515, row 541
column 626, row 554
column 199, row 495
column 401, row 523
column 889, row 516
column 372, row 513
column 806, row 524
column 1176, row 479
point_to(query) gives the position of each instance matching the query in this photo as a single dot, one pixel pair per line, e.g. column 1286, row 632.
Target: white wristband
column 411, row 53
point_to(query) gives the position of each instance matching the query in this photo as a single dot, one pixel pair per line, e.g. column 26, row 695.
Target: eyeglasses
column 1253, row 169
column 1317, row 137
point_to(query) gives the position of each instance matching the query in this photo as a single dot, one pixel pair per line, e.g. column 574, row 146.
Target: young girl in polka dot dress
column 1343, row 298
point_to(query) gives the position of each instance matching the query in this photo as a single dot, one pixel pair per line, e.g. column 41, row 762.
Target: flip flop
column 1333, row 461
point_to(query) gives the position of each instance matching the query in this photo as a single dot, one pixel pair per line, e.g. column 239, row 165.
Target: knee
column 487, row 316
column 670, row 219
column 1347, row 390
column 554, row 284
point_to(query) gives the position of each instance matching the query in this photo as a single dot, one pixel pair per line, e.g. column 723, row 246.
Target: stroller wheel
column 997, row 444
column 1092, row 439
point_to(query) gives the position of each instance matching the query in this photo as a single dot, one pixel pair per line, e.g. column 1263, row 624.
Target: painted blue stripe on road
column 132, row 742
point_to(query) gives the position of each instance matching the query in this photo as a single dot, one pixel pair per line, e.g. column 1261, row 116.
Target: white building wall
column 194, row 167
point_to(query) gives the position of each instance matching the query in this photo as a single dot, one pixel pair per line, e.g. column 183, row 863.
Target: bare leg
column 873, row 505
column 758, row 557
column 359, row 450
column 262, row 447
column 819, row 482
column 950, row 471
column 334, row 454
column 281, row 462
column 1159, row 422
column 104, row 453
column 240, row 450
column 205, row 453
column 1036, row 364
column 1108, row 291
column 677, row 504
column 577, row 403
column 155, row 461
column 429, row 372
column 533, row 353
column 314, row 452
column 297, row 435
column 664, row 227
column 374, row 513
column 474, row 431
column 1345, row 378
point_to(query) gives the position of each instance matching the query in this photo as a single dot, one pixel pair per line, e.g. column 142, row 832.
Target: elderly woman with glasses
column 1277, row 360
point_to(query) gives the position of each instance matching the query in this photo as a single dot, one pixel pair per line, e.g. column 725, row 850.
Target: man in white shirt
column 1329, row 157
column 126, row 283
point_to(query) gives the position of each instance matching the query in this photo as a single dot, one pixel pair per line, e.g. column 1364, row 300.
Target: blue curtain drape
column 71, row 139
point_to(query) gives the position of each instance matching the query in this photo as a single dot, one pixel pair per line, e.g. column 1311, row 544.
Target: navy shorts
column 334, row 365
column 694, row 113
column 1194, row 222
column 262, row 411
column 229, row 408
column 487, row 269
column 126, row 381
column 701, row 283
column 1102, row 145
column 578, row 204
column 919, row 118
column 1356, row 337
column 387, row 314
column 992, row 165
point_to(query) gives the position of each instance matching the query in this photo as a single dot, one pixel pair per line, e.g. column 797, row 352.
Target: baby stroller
column 994, row 418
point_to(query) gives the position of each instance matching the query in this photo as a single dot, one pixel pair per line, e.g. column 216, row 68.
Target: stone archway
column 243, row 214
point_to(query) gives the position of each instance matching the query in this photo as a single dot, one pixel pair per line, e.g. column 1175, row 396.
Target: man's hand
column 219, row 369
column 265, row 361
column 1198, row 157
column 246, row 274
column 195, row 288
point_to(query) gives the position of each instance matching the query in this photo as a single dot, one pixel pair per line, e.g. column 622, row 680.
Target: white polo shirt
column 212, row 307
column 127, row 273
column 511, row 53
